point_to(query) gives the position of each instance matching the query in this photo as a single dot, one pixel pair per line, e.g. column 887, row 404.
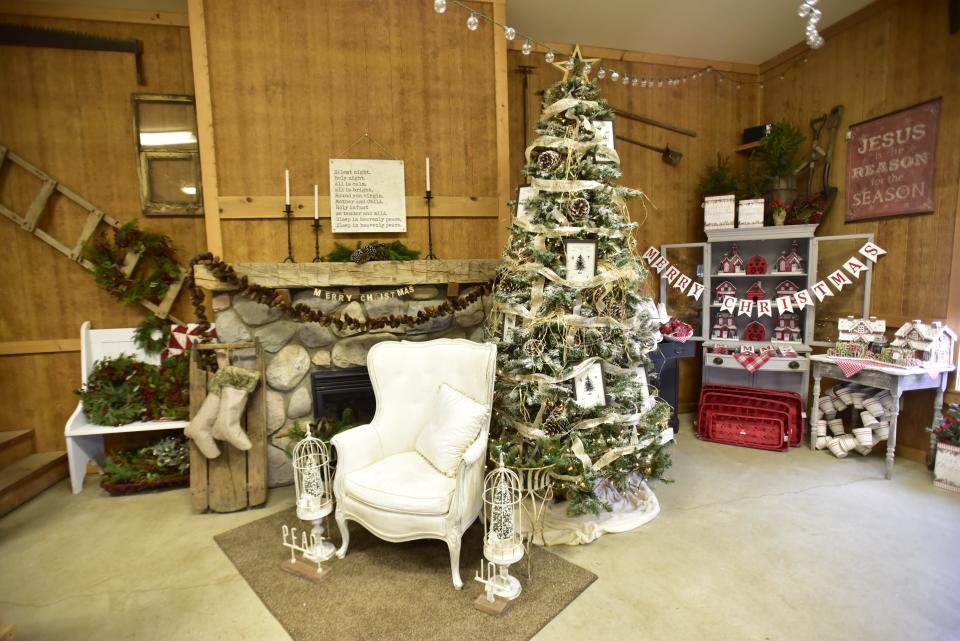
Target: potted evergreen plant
column 779, row 153
column 718, row 179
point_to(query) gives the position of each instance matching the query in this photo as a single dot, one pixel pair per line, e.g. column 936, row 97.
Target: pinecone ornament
column 370, row 251
column 548, row 160
column 579, row 208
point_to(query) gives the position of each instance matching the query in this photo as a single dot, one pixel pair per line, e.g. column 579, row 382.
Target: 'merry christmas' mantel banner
column 819, row 290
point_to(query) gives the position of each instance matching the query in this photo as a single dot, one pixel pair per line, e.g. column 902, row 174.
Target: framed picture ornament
column 603, row 132
column 588, row 387
column 523, row 194
column 581, row 259
column 509, row 325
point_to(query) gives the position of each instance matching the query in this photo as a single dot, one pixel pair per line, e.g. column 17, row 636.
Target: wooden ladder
column 95, row 217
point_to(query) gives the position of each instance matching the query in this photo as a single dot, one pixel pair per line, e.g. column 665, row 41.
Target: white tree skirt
column 631, row 509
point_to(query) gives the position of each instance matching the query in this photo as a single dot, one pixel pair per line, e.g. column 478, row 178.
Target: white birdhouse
column 502, row 536
column 313, row 486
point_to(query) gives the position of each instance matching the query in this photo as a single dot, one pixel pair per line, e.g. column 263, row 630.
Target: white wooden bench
column 85, row 439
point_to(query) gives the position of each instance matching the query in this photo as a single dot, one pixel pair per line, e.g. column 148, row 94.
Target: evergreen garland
column 395, row 250
column 157, row 266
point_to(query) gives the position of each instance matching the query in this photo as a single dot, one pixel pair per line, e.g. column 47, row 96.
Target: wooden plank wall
column 717, row 112
column 295, row 83
column 69, row 113
column 891, row 55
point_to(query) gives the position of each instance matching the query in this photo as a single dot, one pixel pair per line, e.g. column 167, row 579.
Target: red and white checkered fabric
column 851, row 366
column 751, row 361
column 182, row 337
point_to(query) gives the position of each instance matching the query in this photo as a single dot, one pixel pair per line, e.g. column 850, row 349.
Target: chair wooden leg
column 454, row 545
column 344, row 535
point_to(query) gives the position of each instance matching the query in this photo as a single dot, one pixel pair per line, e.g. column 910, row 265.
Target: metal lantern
column 312, row 482
column 503, row 533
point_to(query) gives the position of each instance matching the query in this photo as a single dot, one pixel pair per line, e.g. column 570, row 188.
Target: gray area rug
column 394, row 591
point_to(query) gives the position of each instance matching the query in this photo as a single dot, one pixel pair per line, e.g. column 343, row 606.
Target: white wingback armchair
column 381, row 481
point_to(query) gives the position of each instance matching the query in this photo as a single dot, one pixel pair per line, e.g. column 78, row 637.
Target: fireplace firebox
column 342, row 393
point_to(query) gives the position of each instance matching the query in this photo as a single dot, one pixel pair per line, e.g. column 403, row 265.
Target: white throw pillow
column 455, row 424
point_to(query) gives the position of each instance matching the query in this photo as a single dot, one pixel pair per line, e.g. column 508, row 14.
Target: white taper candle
column 316, row 202
column 428, row 173
column 286, row 185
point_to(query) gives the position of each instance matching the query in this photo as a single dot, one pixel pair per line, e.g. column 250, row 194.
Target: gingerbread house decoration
column 934, row 343
column 756, row 292
column 790, row 263
column 724, row 289
column 732, row 264
column 865, row 330
column 788, row 328
column 725, row 328
column 787, row 288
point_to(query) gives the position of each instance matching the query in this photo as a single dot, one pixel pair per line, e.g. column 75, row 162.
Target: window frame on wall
column 150, row 204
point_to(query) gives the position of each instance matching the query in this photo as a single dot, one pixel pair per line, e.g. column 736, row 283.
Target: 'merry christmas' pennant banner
column 821, row 290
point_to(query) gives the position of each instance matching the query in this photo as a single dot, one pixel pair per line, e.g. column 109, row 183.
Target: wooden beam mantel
column 385, row 272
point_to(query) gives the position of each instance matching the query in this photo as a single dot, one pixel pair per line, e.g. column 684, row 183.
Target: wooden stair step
column 27, row 477
column 15, row 445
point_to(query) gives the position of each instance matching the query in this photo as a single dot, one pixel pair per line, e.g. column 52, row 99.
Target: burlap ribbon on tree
column 566, row 104
column 568, row 320
column 558, row 232
column 564, row 186
column 604, row 153
column 612, row 454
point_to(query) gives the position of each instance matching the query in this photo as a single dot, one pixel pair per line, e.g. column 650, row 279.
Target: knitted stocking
column 200, row 427
column 235, row 386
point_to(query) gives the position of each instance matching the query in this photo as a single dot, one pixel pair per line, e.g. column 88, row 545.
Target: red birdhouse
column 756, row 292
column 757, row 265
column 755, row 332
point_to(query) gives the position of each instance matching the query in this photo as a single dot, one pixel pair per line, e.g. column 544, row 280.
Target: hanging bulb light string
column 807, row 9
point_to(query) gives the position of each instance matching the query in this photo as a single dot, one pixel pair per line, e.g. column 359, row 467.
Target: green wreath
column 156, row 271
column 122, row 390
column 152, row 335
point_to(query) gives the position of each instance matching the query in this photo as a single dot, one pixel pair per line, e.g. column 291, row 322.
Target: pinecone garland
column 548, row 160
column 579, row 208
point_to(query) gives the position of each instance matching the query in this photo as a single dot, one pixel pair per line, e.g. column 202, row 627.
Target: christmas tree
column 564, row 317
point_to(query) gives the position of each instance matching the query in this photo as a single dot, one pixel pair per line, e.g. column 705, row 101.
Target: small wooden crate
column 235, row 480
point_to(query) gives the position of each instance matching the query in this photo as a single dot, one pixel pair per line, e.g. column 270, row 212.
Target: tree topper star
column 578, row 61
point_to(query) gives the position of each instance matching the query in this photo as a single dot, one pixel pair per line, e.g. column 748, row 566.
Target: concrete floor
column 750, row 545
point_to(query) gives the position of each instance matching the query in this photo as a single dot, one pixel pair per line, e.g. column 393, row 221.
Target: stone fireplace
column 300, row 356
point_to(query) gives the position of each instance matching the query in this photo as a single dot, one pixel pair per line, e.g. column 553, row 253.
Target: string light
column 807, row 9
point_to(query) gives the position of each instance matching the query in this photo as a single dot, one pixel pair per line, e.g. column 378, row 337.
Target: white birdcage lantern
column 503, row 532
column 313, row 486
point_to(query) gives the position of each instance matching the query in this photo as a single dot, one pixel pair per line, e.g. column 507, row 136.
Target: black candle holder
column 430, row 255
column 288, row 210
column 316, row 240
